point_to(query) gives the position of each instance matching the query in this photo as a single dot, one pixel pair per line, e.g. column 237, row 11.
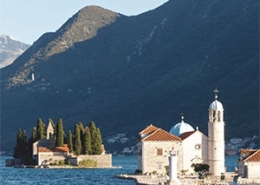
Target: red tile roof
column 44, row 149
column 161, row 135
column 148, row 130
column 254, row 157
column 186, row 134
column 63, row 148
column 247, row 151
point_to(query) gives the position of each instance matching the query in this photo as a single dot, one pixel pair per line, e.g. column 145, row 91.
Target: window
column 159, row 151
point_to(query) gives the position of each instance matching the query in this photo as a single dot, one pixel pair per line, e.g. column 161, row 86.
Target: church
column 190, row 145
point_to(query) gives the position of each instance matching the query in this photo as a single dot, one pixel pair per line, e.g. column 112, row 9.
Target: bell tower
column 50, row 131
column 216, row 137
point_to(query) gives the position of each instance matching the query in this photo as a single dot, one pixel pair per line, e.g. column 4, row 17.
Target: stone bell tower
column 50, row 131
column 216, row 137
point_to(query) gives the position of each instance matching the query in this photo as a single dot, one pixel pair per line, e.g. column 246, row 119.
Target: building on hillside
column 153, row 150
column 249, row 163
column 192, row 146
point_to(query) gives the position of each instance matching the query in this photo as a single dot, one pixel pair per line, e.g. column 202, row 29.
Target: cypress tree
column 34, row 134
column 87, row 142
column 40, row 129
column 59, row 133
column 82, row 133
column 95, row 139
column 32, row 139
column 20, row 150
column 77, row 141
column 99, row 142
column 70, row 141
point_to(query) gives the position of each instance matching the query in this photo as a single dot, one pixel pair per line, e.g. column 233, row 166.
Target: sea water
column 32, row 176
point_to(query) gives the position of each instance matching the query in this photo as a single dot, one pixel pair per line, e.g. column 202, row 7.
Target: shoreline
column 187, row 180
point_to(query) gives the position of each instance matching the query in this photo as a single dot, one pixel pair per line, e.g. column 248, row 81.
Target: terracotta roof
column 161, row 135
column 44, row 149
column 247, row 151
column 148, row 130
column 186, row 134
column 255, row 157
column 63, row 148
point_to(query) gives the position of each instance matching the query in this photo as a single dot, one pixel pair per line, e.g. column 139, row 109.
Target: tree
column 202, row 169
column 70, row 141
column 40, row 129
column 87, row 142
column 82, row 133
column 95, row 139
column 77, row 141
column 20, row 150
column 32, row 139
column 59, row 133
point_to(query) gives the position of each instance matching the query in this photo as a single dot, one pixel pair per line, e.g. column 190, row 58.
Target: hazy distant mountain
column 128, row 72
column 10, row 49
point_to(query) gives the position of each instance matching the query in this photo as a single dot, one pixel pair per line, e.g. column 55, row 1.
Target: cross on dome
column 216, row 93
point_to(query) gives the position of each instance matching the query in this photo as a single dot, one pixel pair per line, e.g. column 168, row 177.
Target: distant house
column 249, row 163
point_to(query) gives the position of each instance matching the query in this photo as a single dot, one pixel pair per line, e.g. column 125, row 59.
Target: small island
column 50, row 147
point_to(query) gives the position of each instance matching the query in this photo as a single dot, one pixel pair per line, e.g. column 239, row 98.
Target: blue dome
column 181, row 128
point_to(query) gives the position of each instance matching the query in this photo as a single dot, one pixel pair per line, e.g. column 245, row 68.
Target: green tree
column 70, row 141
column 82, row 133
column 87, row 142
column 32, row 139
column 77, row 141
column 95, row 139
column 20, row 150
column 59, row 133
column 40, row 129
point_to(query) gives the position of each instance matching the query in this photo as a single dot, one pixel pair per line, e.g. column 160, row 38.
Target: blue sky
column 27, row 20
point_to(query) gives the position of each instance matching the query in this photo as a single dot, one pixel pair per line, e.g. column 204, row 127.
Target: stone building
column 153, row 150
column 45, row 152
column 195, row 148
column 249, row 163
column 192, row 146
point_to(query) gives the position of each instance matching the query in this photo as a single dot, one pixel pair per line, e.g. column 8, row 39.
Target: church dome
column 181, row 128
column 216, row 105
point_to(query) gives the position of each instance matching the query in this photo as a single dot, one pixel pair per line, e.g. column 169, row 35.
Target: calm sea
column 30, row 176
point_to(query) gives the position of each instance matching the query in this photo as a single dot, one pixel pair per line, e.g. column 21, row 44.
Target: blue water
column 31, row 176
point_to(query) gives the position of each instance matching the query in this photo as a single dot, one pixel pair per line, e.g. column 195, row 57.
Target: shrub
column 88, row 163
column 61, row 162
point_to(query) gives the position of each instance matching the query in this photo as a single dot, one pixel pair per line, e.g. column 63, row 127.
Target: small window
column 160, row 167
column 159, row 151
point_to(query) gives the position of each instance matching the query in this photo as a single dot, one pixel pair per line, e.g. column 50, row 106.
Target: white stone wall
column 103, row 161
column 194, row 147
column 249, row 170
column 152, row 162
column 50, row 157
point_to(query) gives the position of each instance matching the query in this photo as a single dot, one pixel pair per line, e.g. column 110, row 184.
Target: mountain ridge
column 10, row 49
column 146, row 69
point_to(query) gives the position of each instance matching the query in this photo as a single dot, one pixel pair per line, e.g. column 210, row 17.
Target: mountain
column 10, row 49
column 125, row 73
